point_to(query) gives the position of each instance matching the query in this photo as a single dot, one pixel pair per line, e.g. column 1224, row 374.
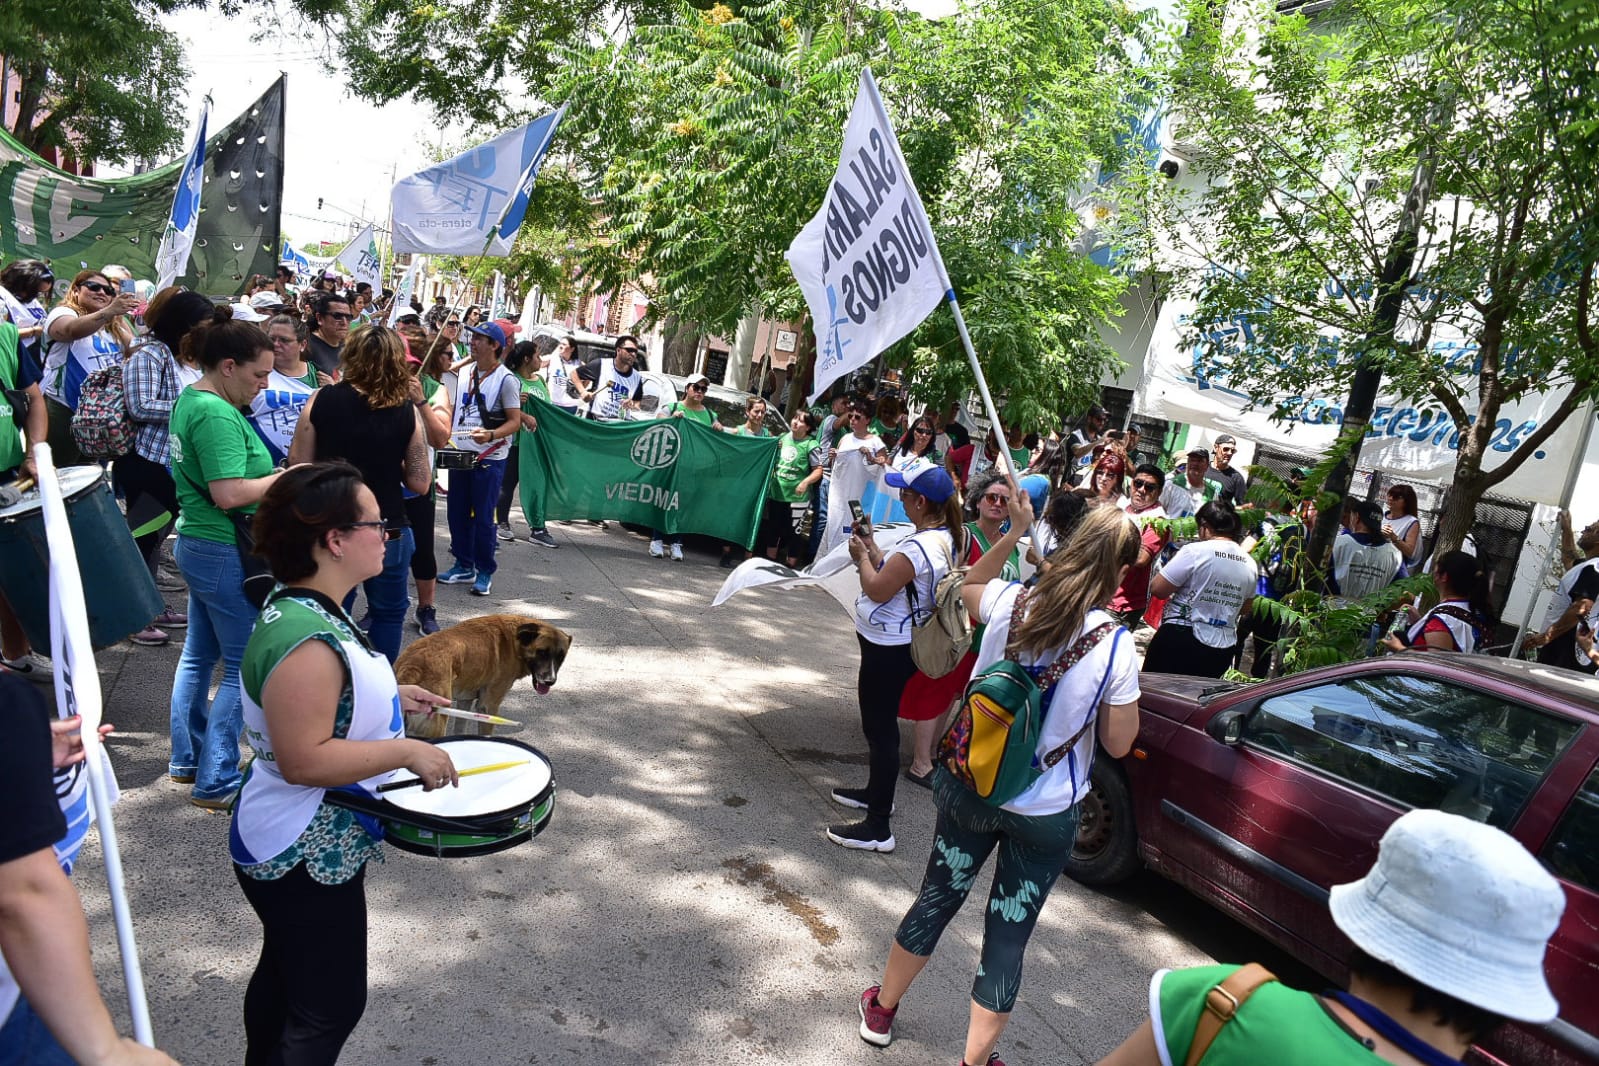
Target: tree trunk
column 799, row 384
column 682, row 340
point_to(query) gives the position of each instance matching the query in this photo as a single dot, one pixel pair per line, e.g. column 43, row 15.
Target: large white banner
column 866, row 261
column 360, row 257
column 1414, row 437
column 453, row 207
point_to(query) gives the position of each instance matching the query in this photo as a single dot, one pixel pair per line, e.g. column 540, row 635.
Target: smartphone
column 857, row 514
column 127, row 285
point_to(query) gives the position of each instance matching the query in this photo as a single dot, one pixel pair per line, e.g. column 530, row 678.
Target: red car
column 1260, row 797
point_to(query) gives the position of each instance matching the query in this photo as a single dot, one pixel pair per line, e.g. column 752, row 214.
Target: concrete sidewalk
column 683, row 905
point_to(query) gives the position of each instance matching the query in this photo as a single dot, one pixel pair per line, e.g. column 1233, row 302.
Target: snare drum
column 486, row 813
column 118, row 592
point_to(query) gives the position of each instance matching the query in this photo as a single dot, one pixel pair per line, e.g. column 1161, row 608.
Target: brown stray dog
column 476, row 662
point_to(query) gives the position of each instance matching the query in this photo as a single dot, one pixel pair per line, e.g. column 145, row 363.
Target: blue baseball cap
column 490, row 330
column 923, row 478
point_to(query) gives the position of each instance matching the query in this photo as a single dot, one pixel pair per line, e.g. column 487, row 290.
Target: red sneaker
column 877, row 1021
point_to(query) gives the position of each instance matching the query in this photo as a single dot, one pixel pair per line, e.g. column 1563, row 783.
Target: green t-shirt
column 211, row 441
column 1276, row 1024
column 11, row 454
column 702, row 416
column 744, row 431
column 793, row 464
column 1020, row 457
column 535, row 386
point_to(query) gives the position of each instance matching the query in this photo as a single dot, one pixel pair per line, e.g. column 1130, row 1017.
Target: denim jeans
column 821, row 514
column 205, row 731
column 470, row 507
column 26, row 1041
column 388, row 596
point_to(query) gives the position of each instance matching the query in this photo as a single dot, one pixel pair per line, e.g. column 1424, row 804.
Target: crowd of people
column 290, row 441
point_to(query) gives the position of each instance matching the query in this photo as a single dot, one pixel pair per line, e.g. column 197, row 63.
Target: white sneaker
column 657, row 549
column 677, row 553
column 33, row 667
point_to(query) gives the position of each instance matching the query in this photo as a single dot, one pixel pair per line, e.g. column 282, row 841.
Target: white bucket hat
column 1462, row 908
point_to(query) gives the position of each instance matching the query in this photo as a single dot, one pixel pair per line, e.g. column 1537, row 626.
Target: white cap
column 1460, row 907
column 266, row 300
column 245, row 313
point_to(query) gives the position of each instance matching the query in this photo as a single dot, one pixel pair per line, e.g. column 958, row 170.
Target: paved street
column 683, row 905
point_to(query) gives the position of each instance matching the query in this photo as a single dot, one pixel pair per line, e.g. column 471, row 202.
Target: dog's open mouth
column 542, row 687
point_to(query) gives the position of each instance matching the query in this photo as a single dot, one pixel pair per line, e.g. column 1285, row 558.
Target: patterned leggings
column 1032, row 850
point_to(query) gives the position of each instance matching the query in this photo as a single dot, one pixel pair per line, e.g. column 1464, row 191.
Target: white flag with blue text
column 866, row 261
column 172, row 258
column 362, row 260
column 455, row 207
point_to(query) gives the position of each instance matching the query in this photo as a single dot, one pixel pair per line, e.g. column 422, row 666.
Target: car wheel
column 1106, row 851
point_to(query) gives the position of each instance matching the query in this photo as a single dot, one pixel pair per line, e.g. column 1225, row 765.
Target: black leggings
column 1175, row 650
column 885, row 671
column 421, row 512
column 136, row 478
column 777, row 530
column 513, row 474
column 308, row 991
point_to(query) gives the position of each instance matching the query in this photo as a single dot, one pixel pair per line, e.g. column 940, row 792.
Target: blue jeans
column 388, row 596
column 470, row 507
column 821, row 514
column 205, row 731
column 26, row 1041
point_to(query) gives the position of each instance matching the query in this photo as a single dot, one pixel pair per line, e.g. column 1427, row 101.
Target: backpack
column 101, row 426
column 991, row 745
column 941, row 640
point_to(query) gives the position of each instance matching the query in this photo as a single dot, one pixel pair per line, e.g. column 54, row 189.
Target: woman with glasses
column 919, row 443
column 324, row 712
column 371, row 418
column 1401, row 525
column 926, row 699
column 25, row 287
column 692, row 408
column 88, row 332
column 859, row 459
column 560, row 375
column 275, row 413
column 222, row 470
column 472, row 317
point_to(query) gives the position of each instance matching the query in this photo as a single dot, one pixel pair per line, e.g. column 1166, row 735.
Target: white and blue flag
column 178, row 238
column 478, row 198
column 293, row 259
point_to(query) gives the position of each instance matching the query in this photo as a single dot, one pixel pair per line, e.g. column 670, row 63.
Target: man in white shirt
column 611, row 387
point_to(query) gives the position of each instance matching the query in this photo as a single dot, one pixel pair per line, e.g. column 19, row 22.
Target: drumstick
column 473, row 716
column 490, row 768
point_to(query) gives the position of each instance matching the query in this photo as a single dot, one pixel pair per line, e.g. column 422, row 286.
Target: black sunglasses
column 627, row 351
column 95, row 286
column 337, row 317
column 389, row 532
column 698, row 388
column 1148, row 486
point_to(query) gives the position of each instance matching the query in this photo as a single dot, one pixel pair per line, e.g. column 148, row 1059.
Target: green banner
column 75, row 222
column 671, row 474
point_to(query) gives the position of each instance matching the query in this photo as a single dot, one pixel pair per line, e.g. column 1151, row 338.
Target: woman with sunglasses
column 222, row 469
column 88, row 332
column 324, row 712
column 1401, row 527
column 926, row 699
column 372, row 419
column 24, row 292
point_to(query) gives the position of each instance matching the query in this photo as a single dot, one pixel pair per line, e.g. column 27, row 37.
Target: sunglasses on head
column 389, row 532
column 95, row 286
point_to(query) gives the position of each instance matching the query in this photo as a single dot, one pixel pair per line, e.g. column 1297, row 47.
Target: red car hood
column 1176, row 695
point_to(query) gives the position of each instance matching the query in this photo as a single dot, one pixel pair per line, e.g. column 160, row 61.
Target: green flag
column 671, row 474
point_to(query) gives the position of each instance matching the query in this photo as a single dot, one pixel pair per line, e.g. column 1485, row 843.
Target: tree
column 1310, row 134
column 97, row 81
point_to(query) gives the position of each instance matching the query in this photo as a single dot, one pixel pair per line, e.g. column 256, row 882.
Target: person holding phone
column 860, row 457
column 88, row 332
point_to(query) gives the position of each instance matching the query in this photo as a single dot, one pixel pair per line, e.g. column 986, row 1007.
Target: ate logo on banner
column 657, row 447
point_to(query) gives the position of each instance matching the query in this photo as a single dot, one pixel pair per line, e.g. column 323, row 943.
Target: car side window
column 1420, row 741
column 1572, row 851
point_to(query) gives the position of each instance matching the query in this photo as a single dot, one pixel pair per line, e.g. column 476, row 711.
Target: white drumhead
column 74, row 480
column 479, row 794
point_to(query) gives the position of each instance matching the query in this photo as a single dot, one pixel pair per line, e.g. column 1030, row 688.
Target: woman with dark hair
column 561, row 375
column 1054, row 462
column 884, row 618
column 1058, row 634
column 1402, row 525
column 89, row 331
column 526, row 361
column 1450, row 928
column 858, row 459
column 1208, row 585
column 917, row 443
column 324, row 713
column 1462, row 615
column 794, row 475
column 24, row 290
column 371, row 418
column 150, row 387
column 472, row 317
column 222, row 470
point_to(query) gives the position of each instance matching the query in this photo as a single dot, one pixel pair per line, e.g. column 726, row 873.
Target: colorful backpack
column 991, row 745
column 101, row 426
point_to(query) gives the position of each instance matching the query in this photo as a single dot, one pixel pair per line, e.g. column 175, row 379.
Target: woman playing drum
column 322, row 711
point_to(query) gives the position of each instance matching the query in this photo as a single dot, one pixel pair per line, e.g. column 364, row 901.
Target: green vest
column 11, row 453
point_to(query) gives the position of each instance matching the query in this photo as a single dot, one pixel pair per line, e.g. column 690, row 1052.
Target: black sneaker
column 542, row 538
column 862, row 836
column 427, row 620
column 854, row 798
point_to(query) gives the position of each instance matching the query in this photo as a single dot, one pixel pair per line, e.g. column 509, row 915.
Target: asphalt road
column 683, row 905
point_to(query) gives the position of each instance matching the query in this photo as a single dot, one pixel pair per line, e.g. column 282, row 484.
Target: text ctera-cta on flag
column 866, row 261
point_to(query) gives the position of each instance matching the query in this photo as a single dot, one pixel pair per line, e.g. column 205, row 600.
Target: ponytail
column 1467, row 578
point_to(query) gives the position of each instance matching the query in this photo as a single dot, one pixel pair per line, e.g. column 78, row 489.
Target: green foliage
column 1322, row 630
column 98, row 81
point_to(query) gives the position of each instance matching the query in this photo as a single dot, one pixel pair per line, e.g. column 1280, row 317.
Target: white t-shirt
column 1213, row 578
column 67, row 365
column 560, row 375
column 612, row 390
column 930, row 553
column 1106, row 675
column 1401, row 527
column 1362, row 569
column 470, row 391
column 275, row 412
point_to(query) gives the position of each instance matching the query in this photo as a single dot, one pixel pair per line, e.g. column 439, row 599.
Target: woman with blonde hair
column 1092, row 696
column 371, row 418
column 89, row 331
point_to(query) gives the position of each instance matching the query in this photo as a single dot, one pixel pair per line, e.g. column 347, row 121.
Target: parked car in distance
column 1259, row 798
column 590, row 346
